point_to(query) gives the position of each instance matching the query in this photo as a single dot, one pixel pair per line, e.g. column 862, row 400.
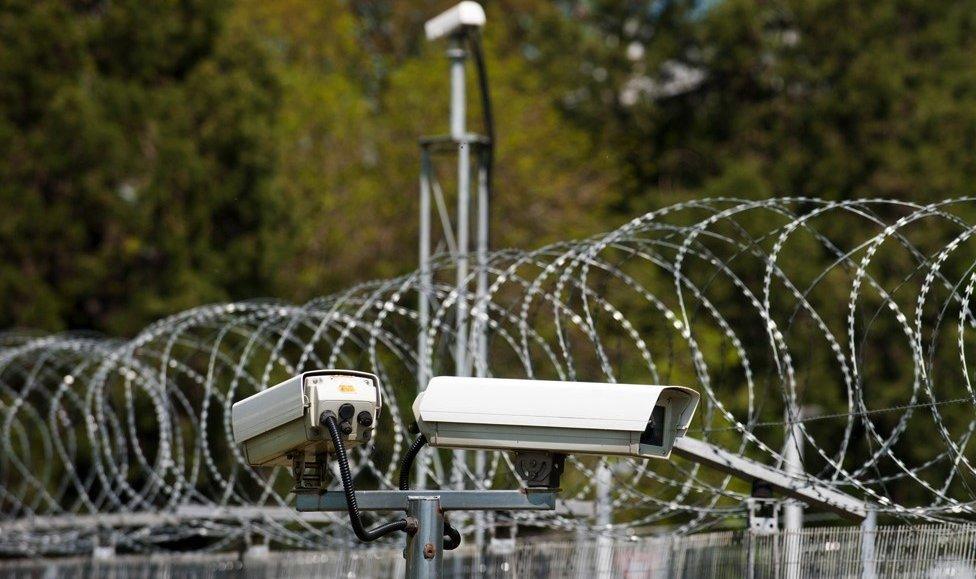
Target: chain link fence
column 908, row 551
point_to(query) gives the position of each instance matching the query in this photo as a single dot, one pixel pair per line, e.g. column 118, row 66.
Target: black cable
column 479, row 61
column 452, row 538
column 406, row 463
column 355, row 517
column 489, row 120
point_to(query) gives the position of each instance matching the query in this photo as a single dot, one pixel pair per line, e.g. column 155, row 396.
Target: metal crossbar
column 808, row 490
column 450, row 500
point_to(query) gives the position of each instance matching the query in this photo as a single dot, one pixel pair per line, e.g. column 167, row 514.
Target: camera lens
column 365, row 419
column 654, row 433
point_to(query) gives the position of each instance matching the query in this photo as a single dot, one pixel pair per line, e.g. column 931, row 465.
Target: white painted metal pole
column 458, row 132
column 481, row 329
column 423, row 309
column 482, row 260
column 869, row 531
column 481, row 295
column 604, row 518
column 457, row 54
column 793, row 510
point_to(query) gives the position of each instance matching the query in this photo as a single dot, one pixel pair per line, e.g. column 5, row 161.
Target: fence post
column 869, row 529
column 793, row 510
column 604, row 519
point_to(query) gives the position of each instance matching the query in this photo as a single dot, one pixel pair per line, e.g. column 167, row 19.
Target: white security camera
column 283, row 425
column 544, row 420
column 456, row 20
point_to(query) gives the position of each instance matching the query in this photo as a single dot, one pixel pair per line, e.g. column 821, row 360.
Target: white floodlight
column 454, row 21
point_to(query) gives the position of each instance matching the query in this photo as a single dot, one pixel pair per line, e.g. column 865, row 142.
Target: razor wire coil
column 846, row 321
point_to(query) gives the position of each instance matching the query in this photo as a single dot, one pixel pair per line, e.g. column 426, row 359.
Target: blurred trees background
column 155, row 156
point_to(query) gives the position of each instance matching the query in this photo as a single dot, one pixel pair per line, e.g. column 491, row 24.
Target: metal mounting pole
column 425, row 548
column 481, row 335
column 423, row 306
column 793, row 510
column 457, row 54
column 481, row 295
column 423, row 309
column 470, row 339
column 604, row 518
column 869, row 530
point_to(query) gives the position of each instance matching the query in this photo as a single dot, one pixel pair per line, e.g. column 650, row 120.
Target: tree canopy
column 155, row 156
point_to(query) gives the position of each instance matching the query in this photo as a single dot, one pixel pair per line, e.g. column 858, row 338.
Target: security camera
column 542, row 421
column 305, row 420
column 454, row 21
column 283, row 425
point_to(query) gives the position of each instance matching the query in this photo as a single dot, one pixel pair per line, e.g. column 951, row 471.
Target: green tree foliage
column 829, row 98
column 135, row 162
column 157, row 156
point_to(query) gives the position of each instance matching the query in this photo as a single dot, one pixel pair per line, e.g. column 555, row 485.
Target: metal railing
column 905, row 551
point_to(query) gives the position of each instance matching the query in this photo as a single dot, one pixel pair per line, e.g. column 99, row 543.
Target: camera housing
column 554, row 417
column 455, row 20
column 281, row 426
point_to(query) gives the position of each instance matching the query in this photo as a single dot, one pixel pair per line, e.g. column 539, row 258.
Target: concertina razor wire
column 849, row 319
